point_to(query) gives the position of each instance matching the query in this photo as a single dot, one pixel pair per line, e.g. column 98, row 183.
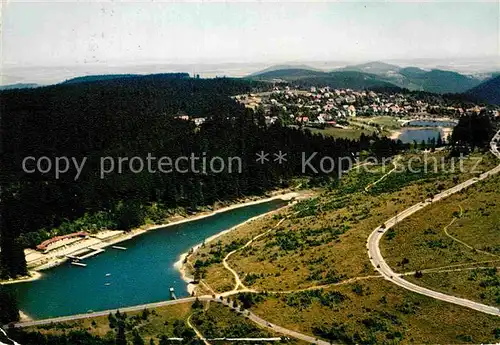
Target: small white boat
column 107, row 284
column 108, row 274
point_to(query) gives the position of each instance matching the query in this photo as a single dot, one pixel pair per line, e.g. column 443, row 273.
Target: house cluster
column 198, row 121
column 458, row 111
column 324, row 105
column 330, row 106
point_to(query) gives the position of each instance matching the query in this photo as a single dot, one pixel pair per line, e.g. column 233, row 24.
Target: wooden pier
column 76, row 263
column 95, row 252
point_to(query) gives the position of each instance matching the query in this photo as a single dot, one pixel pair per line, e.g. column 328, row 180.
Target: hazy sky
column 69, row 33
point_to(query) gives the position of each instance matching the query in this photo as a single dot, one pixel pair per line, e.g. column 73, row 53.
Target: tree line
column 137, row 116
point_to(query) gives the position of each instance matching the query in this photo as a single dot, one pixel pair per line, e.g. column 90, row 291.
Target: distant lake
column 409, row 135
column 427, row 123
column 141, row 274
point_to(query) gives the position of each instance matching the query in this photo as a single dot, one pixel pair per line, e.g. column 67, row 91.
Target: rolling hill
column 376, row 67
column 285, row 67
column 438, row 81
column 488, row 91
column 18, row 86
column 337, row 79
column 123, row 77
column 414, row 78
column 286, row 74
column 375, row 74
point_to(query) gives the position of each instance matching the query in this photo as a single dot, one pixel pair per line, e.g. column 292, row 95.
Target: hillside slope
column 417, row 79
column 488, row 91
column 18, row 86
column 439, row 81
column 336, row 79
column 374, row 74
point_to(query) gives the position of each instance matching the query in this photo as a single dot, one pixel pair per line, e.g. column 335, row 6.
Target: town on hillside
column 325, row 106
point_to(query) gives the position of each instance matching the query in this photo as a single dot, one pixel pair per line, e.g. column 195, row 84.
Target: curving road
column 263, row 323
column 104, row 312
column 220, row 298
column 381, row 266
column 375, row 257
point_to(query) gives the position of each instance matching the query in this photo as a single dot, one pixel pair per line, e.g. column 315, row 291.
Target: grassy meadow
column 378, row 312
column 212, row 320
column 353, row 133
column 321, row 243
column 322, row 240
column 312, row 273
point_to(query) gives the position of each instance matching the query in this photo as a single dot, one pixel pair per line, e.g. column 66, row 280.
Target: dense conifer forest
column 137, row 116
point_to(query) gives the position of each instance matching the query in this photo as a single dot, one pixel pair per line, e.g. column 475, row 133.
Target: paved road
column 375, row 257
column 106, row 312
column 256, row 319
column 4, row 337
column 381, row 266
column 272, row 327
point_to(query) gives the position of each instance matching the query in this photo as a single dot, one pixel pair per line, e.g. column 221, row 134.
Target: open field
column 208, row 258
column 212, row 320
column 383, row 125
column 458, row 234
column 322, row 240
column 318, row 245
column 159, row 321
column 460, row 229
column 347, row 133
column 477, row 284
column 378, row 312
column 386, row 122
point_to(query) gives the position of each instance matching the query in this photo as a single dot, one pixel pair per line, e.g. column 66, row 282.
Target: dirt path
column 198, row 333
column 394, row 163
column 462, row 242
column 378, row 261
column 325, row 286
column 238, row 282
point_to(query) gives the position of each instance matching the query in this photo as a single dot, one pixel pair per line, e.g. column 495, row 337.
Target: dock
column 118, row 247
column 81, row 264
column 95, row 252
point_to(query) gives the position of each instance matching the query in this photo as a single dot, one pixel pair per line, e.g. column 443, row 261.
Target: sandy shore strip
column 395, row 134
column 23, row 317
column 446, row 132
column 34, row 274
column 180, row 264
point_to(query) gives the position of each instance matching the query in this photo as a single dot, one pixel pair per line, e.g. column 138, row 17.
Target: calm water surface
column 427, row 123
column 408, row 135
column 141, row 274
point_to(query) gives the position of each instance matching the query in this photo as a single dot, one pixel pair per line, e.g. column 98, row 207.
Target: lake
column 408, row 135
column 426, row 129
column 141, row 274
column 429, row 123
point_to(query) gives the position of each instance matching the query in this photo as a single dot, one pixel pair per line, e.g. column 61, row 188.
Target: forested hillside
column 127, row 117
column 338, row 79
column 373, row 75
column 488, row 91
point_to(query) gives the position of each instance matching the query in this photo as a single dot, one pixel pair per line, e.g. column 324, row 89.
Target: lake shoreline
column 396, row 134
column 32, row 275
column 35, row 274
column 181, row 266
